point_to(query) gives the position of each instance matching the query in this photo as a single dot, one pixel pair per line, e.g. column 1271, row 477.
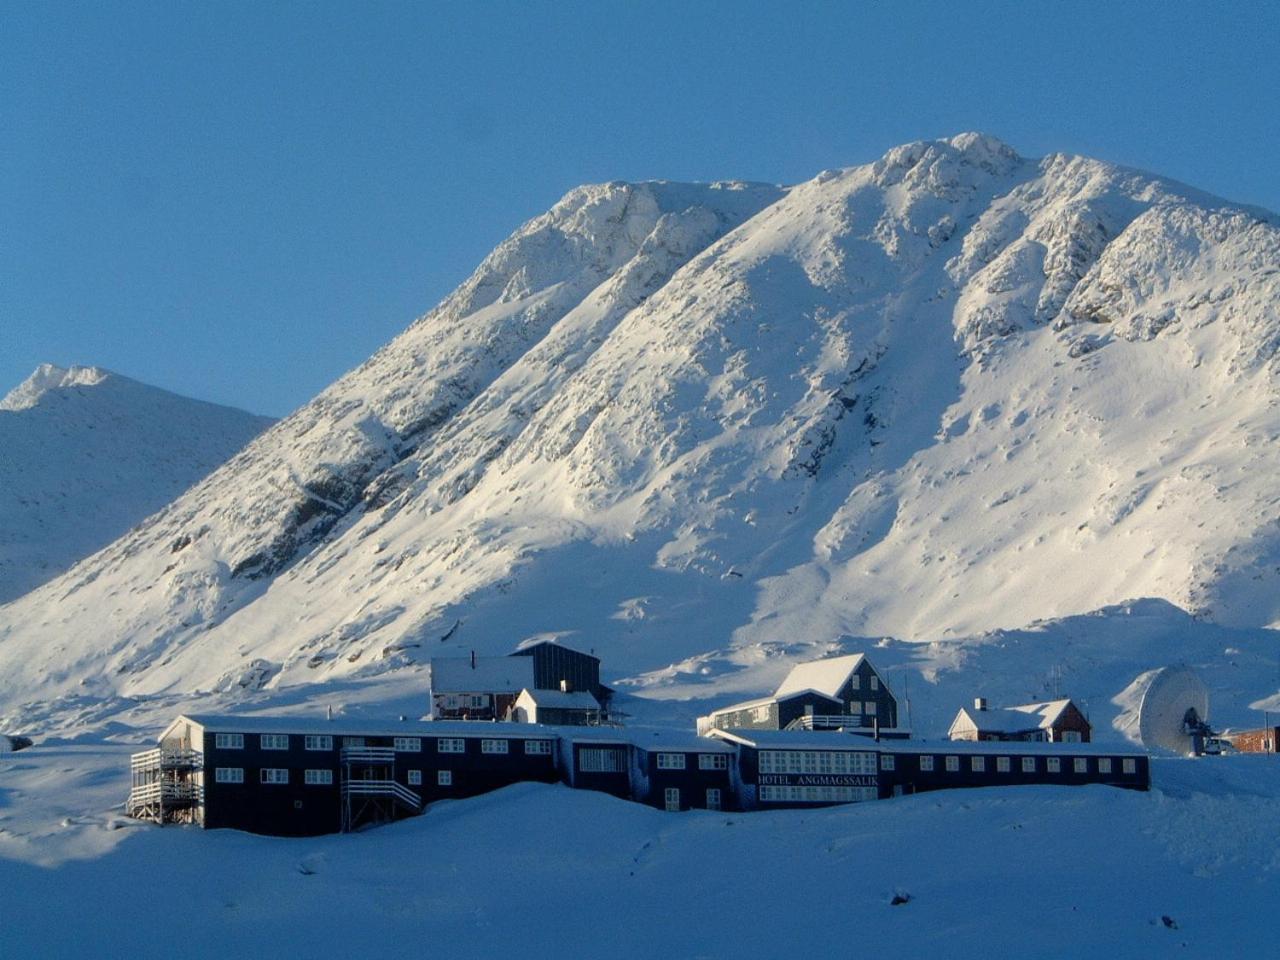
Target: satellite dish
column 1174, row 708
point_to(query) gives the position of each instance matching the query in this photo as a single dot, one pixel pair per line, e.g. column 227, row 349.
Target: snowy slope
column 85, row 454
column 950, row 391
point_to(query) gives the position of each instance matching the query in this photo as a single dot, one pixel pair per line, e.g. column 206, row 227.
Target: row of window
column 706, row 761
column 856, row 682
column 277, row 775
column 1128, row 765
column 818, row 794
column 280, row 741
column 671, row 799
column 817, row 761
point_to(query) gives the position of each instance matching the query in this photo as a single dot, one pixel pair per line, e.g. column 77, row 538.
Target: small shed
column 576, row 708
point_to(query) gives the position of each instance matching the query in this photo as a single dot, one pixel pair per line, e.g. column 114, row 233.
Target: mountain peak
column 47, row 377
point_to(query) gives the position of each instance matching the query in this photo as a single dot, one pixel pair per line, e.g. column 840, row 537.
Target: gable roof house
column 836, row 693
column 1054, row 721
column 577, row 708
column 477, row 688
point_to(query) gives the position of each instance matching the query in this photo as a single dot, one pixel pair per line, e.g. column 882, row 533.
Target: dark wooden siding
column 907, row 776
column 553, row 663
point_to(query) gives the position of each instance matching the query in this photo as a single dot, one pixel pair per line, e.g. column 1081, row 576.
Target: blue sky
column 241, row 201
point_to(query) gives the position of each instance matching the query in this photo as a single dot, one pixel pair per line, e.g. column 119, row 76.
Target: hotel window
column 228, row 775
column 886, row 761
column 713, row 799
column 228, row 741
column 713, row 761
column 1081, row 765
column 415, row 778
column 275, row 741
column 539, row 747
column 1129, row 765
column 318, row 742
column 444, row 778
column 926, row 763
column 273, row 775
column 597, row 760
column 953, row 764
column 407, row 744
column 978, row 764
column 318, row 777
column 672, row 797
column 1104, row 764
column 451, row 745
column 869, row 708
column 1028, row 764
column 671, row 761
column 494, row 746
column 357, row 742
column 1053, row 765
column 1002, row 764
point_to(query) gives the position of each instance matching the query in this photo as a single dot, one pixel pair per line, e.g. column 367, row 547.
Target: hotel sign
column 816, row 780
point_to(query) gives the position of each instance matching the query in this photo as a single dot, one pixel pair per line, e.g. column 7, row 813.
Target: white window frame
column 1104, row 764
column 875, row 682
column 953, row 763
column 869, row 708
column 479, row 700
column 415, row 778
column 492, row 746
column 1028, row 764
column 444, row 778
column 451, row 745
column 886, row 761
column 1072, row 736
column 540, row 748
column 671, row 761
column 406, row 744
column 713, row 761
column 228, row 775
column 318, row 778
column 228, row 741
column 714, row 801
column 671, row 799
column 978, row 764
column 317, row 741
column 600, row 760
column 273, row 741
column 1053, row 764
column 1002, row 764
column 926, row 762
column 855, row 682
column 273, row 775
column 1081, row 765
column 1129, row 765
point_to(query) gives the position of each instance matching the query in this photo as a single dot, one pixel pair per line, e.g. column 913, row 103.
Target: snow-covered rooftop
column 823, row 676
column 488, row 674
column 560, row 700
column 375, row 727
column 648, row 738
column 1027, row 716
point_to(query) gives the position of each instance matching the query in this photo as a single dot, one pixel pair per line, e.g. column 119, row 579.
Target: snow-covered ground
column 85, row 454
column 545, row 871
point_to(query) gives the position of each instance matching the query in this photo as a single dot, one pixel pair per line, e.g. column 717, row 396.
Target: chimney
column 473, row 659
column 979, row 703
column 328, row 711
column 566, row 686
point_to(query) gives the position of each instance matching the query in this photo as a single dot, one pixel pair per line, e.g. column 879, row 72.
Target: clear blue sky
column 240, row 201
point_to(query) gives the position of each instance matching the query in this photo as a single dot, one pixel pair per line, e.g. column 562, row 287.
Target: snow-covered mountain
column 946, row 392
column 85, row 454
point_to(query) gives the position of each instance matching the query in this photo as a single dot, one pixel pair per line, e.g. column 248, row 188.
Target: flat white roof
column 797, row 739
column 560, row 700
column 1007, row 748
column 355, row 727
column 647, row 738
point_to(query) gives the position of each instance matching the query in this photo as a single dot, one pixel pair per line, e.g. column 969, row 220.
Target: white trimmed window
column 407, row 744
column 671, row 761
column 479, row 700
column 451, row 745
column 415, row 778
column 1104, row 764
column 1081, row 765
column 228, row 775
column 713, row 799
column 598, row 760
column 926, row 763
column 875, row 682
column 273, row 775
column 1129, row 765
column 318, row 778
column 978, row 764
column 713, row 761
column 1002, row 764
column 760, row 714
column 1053, row 764
column 886, row 761
column 855, row 683
column 444, row 778
column 318, row 741
column 869, row 708
column 274, row 741
column 228, row 741
column 953, row 764
column 1028, row 764
column 494, row 746
column 1071, row 736
column 539, row 747
column 672, row 798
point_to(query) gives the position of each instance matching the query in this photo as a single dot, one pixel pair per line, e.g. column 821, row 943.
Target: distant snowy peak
column 48, row 377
